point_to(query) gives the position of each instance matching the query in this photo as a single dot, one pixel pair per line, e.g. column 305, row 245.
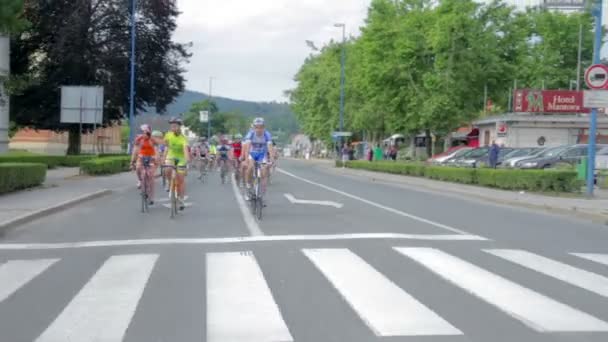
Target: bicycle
column 173, row 188
column 223, row 170
column 256, row 193
column 202, row 164
column 146, row 184
column 237, row 171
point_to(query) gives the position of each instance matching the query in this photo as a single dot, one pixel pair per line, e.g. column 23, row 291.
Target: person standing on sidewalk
column 378, row 153
column 344, row 154
column 493, row 154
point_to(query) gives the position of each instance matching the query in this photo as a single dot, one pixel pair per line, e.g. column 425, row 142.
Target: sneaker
column 151, row 203
column 138, row 184
column 182, row 205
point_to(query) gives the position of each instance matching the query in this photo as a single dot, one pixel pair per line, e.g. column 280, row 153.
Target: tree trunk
column 429, row 143
column 74, row 139
column 4, row 97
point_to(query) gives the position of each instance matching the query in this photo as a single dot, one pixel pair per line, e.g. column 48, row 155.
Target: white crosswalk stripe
column 240, row 306
column 599, row 258
column 383, row 306
column 539, row 312
column 103, row 309
column 14, row 274
column 569, row 274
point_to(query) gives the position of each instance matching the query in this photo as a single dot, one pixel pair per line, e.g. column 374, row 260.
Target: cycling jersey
column 223, row 151
column 259, row 144
column 146, row 146
column 212, row 149
column 236, row 149
column 175, row 146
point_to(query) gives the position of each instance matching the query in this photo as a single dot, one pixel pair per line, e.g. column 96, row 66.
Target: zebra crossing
column 241, row 304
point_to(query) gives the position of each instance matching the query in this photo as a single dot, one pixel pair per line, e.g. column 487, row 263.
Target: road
column 381, row 264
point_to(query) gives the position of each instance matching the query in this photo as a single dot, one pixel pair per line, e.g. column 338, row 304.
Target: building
column 525, row 130
column 103, row 140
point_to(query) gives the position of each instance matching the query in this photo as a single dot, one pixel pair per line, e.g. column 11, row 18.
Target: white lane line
column 294, row 200
column 103, row 308
column 241, row 239
column 584, row 279
column 250, row 222
column 377, row 205
column 533, row 309
column 383, row 306
column 595, row 257
column 240, row 306
column 16, row 273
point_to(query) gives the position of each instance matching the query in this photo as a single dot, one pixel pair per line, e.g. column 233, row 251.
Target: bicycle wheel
column 173, row 195
column 258, row 202
column 144, row 193
column 223, row 173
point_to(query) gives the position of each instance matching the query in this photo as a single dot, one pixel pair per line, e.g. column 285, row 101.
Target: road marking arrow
column 294, row 200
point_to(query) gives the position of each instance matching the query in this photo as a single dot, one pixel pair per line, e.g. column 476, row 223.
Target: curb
column 52, row 209
column 580, row 213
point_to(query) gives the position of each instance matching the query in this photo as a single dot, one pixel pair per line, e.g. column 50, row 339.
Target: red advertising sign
column 548, row 101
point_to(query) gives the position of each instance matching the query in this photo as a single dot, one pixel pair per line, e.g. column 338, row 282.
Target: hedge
column 17, row 176
column 106, row 165
column 508, row 179
column 51, row 161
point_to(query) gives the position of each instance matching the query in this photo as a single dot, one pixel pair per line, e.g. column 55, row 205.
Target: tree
column 192, row 117
column 86, row 42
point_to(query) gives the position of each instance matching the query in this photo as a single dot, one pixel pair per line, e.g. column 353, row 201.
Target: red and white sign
column 501, row 129
column 548, row 101
column 596, row 76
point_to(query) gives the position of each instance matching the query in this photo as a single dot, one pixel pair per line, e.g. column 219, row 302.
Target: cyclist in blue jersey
column 256, row 145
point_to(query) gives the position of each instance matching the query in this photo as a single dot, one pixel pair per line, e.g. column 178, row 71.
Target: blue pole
column 132, row 81
column 342, row 78
column 597, row 45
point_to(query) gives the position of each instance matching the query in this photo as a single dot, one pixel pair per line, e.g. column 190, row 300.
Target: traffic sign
column 596, row 76
column 341, row 134
column 203, row 116
column 595, row 98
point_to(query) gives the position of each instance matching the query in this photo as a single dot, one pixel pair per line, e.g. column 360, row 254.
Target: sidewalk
column 63, row 188
column 595, row 209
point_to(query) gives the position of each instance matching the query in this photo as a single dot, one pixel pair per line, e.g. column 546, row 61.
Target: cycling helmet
column 238, row 136
column 146, row 128
column 176, row 120
column 258, row 122
column 157, row 134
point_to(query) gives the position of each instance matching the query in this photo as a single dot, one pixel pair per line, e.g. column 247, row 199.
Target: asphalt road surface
column 370, row 262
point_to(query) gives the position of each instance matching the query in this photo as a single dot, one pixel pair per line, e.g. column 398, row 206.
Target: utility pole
column 597, row 45
column 132, row 80
column 578, row 62
column 209, row 109
column 4, row 97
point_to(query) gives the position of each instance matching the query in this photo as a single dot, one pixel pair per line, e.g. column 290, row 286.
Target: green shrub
column 532, row 180
column 51, row 161
column 452, row 174
column 16, row 176
column 105, row 166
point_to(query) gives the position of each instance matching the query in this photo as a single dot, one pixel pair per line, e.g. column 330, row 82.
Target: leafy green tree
column 87, row 43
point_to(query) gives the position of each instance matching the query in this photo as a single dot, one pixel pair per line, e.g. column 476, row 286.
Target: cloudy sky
column 254, row 48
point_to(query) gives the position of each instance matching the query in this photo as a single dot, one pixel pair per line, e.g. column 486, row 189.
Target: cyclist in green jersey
column 177, row 151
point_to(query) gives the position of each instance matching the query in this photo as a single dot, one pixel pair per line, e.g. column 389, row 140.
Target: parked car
column 474, row 157
column 516, row 155
column 570, row 154
column 451, row 153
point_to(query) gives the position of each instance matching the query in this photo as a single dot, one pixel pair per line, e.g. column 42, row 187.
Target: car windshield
column 553, row 151
column 460, row 152
column 522, row 152
column 477, row 152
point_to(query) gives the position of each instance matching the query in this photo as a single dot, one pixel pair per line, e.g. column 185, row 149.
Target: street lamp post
column 209, row 109
column 597, row 45
column 342, row 76
column 132, row 76
column 342, row 80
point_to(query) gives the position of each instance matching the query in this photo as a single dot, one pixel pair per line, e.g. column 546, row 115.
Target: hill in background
column 279, row 116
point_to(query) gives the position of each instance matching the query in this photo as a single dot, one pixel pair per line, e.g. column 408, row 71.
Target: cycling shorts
column 260, row 157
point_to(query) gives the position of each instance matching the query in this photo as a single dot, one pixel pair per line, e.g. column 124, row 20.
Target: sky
column 253, row 49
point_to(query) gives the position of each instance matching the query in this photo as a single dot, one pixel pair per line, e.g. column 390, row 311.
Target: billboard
column 548, row 101
column 81, row 104
column 564, row 3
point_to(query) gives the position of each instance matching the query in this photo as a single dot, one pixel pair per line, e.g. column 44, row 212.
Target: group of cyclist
column 172, row 151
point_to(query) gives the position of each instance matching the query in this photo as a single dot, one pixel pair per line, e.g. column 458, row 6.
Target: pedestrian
column 344, row 155
column 378, row 153
column 393, row 152
column 370, row 152
column 493, row 154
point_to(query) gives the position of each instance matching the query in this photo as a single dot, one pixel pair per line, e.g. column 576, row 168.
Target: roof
column 583, row 118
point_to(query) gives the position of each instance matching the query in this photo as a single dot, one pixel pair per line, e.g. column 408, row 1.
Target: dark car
column 483, row 157
column 570, row 154
column 469, row 158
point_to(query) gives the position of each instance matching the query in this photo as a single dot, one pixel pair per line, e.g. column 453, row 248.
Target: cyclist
column 144, row 153
column 177, row 151
column 201, row 151
column 212, row 153
column 237, row 146
column 223, row 151
column 256, row 145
